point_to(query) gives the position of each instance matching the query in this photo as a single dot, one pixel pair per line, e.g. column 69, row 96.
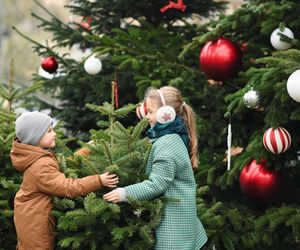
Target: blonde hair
column 174, row 99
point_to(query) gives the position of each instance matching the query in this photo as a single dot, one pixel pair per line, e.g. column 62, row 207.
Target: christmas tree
column 253, row 55
column 137, row 26
column 246, row 85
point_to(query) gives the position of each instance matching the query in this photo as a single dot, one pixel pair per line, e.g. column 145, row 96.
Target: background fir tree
column 251, row 222
column 10, row 99
column 157, row 41
column 8, row 181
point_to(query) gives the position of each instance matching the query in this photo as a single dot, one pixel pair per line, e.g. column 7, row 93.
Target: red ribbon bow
column 172, row 5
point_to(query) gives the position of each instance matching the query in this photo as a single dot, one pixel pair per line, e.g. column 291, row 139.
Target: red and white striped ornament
column 141, row 110
column 277, row 140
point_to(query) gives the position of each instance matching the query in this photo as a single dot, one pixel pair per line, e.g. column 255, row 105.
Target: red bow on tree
column 172, row 5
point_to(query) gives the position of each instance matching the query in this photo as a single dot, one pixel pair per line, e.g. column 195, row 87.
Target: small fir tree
column 10, row 98
column 92, row 223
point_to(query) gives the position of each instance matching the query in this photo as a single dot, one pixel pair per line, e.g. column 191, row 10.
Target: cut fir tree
column 91, row 222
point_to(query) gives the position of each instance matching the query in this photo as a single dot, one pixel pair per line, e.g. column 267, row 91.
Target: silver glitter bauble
column 251, row 99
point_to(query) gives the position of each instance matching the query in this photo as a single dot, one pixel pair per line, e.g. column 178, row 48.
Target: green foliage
column 10, row 98
column 143, row 56
column 91, row 222
column 9, row 181
column 248, row 224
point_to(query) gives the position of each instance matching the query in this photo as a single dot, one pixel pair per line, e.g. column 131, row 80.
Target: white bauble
column 293, row 85
column 276, row 41
column 92, row 65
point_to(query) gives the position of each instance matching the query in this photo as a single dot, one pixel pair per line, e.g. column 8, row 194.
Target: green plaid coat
column 170, row 174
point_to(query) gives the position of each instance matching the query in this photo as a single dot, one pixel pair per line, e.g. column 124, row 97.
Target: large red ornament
column 277, row 140
column 49, row 64
column 220, row 59
column 259, row 182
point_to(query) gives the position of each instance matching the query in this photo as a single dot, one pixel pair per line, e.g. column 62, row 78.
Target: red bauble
column 220, row 59
column 259, row 182
column 49, row 64
column 277, row 140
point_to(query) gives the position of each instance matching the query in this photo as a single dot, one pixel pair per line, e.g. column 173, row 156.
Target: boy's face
column 48, row 139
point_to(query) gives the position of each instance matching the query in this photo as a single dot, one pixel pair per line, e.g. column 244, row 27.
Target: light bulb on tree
column 92, row 65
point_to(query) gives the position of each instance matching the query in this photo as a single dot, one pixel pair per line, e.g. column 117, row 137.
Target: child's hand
column 116, row 195
column 109, row 180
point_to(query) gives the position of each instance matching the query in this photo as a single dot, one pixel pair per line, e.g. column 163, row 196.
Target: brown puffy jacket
column 42, row 180
column 85, row 151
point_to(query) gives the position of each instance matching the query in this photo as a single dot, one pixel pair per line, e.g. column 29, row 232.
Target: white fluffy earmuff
column 165, row 113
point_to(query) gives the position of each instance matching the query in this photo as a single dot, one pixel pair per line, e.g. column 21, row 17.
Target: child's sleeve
column 51, row 181
column 84, row 151
column 160, row 179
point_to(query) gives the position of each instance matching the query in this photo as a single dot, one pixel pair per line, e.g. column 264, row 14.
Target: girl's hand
column 116, row 195
column 109, row 180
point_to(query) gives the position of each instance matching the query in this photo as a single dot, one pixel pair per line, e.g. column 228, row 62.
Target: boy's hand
column 109, row 180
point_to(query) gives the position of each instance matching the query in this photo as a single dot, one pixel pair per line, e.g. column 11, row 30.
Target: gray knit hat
column 31, row 127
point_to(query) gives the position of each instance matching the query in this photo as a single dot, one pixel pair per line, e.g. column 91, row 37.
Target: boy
column 42, row 180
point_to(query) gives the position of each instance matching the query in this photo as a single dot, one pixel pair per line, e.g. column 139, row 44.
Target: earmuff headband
column 165, row 113
column 161, row 97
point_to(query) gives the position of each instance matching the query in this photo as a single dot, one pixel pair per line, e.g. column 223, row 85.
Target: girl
column 169, row 169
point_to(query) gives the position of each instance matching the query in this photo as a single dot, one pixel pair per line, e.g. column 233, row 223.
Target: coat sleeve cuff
column 122, row 193
column 99, row 177
column 83, row 151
